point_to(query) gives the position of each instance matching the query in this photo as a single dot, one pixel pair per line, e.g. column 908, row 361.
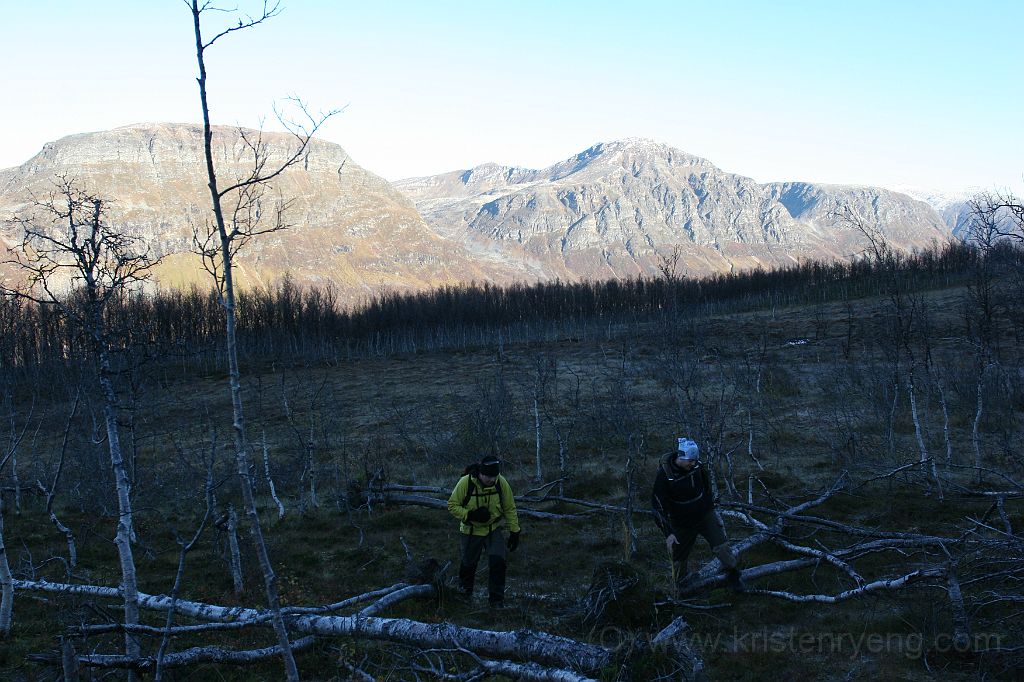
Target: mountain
column 618, row 209
column 622, row 208
column 954, row 206
column 348, row 226
column 905, row 222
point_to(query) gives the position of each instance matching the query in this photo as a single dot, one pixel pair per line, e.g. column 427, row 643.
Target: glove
column 513, row 541
column 479, row 515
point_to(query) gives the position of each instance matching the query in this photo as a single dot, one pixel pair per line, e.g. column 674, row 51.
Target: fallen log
column 435, row 503
column 874, row 586
column 520, row 645
column 196, row 655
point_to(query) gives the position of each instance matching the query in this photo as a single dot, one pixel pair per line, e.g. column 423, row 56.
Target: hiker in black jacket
column 684, row 507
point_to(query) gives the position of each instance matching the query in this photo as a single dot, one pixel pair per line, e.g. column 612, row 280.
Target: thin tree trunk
column 52, row 491
column 270, row 479
column 6, row 581
column 945, row 424
column 236, row 555
column 975, row 438
column 165, row 639
column 69, row 535
column 314, row 501
column 961, row 623
column 123, row 539
column 918, row 433
column 631, row 464
column 561, row 463
column 892, row 418
column 16, row 483
column 538, row 475
column 238, row 418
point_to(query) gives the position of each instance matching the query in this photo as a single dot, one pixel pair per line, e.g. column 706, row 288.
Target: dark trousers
column 709, row 526
column 472, row 547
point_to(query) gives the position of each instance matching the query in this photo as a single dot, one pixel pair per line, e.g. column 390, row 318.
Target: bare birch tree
column 238, row 217
column 79, row 264
column 6, row 578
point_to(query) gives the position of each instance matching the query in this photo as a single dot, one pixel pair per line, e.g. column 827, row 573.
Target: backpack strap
column 497, row 484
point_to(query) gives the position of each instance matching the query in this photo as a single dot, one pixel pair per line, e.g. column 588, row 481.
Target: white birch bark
column 531, row 672
column 123, row 539
column 874, row 586
column 961, row 624
column 673, row 639
column 945, row 424
column 194, row 656
column 6, row 581
column 15, row 482
column 537, row 474
column 975, row 437
column 561, row 462
column 270, row 479
column 51, row 492
column 919, row 434
column 69, row 535
column 397, row 596
column 523, row 645
column 236, row 555
column 226, row 244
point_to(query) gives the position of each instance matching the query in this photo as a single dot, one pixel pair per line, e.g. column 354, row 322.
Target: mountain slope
column 620, row 208
column 348, row 226
column 905, row 222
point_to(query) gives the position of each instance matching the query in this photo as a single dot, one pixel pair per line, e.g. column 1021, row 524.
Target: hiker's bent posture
column 483, row 502
column 684, row 507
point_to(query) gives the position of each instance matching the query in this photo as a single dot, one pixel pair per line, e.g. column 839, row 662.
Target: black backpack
column 472, row 470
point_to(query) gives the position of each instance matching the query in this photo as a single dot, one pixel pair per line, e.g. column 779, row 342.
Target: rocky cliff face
column 347, row 225
column 906, row 223
column 618, row 209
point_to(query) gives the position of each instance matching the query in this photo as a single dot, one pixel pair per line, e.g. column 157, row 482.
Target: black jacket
column 680, row 498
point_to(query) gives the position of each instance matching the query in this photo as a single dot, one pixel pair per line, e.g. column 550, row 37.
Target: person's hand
column 513, row 541
column 479, row 515
column 669, row 541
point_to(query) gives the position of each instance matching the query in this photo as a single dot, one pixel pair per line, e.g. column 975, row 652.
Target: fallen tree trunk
column 673, row 638
column 874, row 586
column 435, row 503
column 393, row 598
column 203, row 654
column 521, row 645
column 388, row 492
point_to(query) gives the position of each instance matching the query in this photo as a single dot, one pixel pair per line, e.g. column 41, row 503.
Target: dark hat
column 490, row 466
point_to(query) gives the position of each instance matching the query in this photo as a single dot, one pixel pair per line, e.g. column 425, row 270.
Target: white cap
column 688, row 449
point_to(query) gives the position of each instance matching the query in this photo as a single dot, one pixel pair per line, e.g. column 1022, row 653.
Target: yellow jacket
column 470, row 494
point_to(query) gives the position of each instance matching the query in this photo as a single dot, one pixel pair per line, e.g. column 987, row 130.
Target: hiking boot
column 735, row 580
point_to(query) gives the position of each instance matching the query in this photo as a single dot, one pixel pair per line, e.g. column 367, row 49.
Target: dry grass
column 420, row 418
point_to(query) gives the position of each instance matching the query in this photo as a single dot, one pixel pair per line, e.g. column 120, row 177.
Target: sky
column 919, row 93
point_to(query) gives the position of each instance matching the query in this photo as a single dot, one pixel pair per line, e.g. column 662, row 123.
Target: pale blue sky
column 874, row 92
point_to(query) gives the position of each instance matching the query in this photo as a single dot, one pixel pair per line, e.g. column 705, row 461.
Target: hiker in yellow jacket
column 482, row 501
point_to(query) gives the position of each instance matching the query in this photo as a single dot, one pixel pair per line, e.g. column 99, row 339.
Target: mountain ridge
column 651, row 200
column 349, row 226
column 621, row 208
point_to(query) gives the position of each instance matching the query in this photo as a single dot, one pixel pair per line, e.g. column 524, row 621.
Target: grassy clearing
column 804, row 389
